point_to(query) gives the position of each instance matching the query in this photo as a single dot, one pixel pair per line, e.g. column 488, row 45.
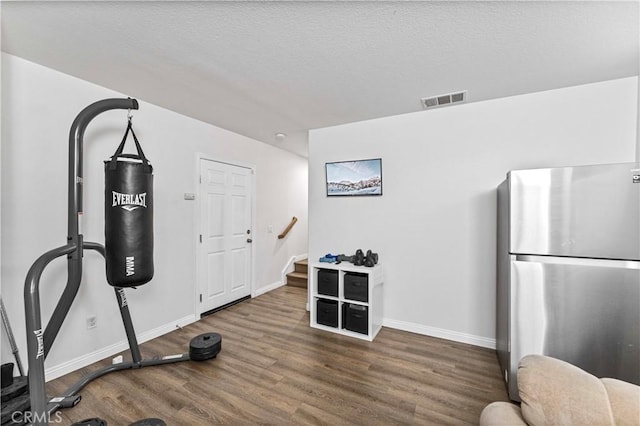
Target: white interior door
column 225, row 240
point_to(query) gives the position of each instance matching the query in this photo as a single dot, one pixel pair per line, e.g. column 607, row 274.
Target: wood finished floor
column 275, row 369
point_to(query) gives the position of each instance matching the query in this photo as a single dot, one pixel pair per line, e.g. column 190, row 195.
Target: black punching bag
column 128, row 216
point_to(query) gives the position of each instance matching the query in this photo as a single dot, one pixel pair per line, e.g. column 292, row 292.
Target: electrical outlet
column 92, row 322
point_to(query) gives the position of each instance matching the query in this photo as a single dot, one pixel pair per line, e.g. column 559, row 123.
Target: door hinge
column 200, row 178
column 201, row 298
column 200, row 238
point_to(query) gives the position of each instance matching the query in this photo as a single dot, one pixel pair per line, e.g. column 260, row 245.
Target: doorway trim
column 198, row 223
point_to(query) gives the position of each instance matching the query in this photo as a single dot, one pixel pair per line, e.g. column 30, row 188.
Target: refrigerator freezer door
column 586, row 313
column 588, row 211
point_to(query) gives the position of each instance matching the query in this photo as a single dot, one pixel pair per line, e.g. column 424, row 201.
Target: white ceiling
column 259, row 68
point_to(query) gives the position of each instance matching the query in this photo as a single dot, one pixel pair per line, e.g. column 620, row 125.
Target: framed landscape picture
column 354, row 178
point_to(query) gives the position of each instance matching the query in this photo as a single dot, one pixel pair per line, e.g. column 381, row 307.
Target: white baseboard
column 268, row 288
column 88, row 359
column 440, row 333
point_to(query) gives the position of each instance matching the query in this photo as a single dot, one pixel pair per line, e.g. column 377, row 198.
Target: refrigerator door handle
column 580, row 261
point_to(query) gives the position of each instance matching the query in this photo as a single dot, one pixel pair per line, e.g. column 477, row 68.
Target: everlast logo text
column 40, row 338
column 129, row 202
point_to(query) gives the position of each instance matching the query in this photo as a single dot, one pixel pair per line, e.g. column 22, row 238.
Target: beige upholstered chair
column 554, row 392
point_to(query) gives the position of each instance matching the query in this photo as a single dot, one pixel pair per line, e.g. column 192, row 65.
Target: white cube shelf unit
column 351, row 307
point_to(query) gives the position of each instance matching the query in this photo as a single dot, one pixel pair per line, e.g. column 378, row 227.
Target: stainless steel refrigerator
column 569, row 269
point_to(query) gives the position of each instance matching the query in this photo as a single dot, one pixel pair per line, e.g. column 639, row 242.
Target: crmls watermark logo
column 129, row 202
column 40, row 338
column 28, row 417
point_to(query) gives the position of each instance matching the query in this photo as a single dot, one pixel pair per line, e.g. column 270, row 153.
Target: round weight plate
column 18, row 387
column 205, row 356
column 204, row 341
column 19, row 404
column 205, row 346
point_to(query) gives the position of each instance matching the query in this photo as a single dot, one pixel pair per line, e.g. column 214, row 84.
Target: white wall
column 434, row 227
column 39, row 105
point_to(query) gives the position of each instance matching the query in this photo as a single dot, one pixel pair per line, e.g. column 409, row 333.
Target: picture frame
column 354, row 178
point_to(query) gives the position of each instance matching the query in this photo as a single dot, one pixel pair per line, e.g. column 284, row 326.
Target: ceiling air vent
column 441, row 100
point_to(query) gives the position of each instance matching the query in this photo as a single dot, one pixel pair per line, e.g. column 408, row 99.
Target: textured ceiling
column 259, row 68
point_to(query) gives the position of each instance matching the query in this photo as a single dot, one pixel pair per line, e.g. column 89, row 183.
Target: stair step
column 301, row 266
column 297, row 279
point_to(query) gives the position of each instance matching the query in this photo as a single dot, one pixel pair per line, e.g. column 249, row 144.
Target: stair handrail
column 288, row 228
